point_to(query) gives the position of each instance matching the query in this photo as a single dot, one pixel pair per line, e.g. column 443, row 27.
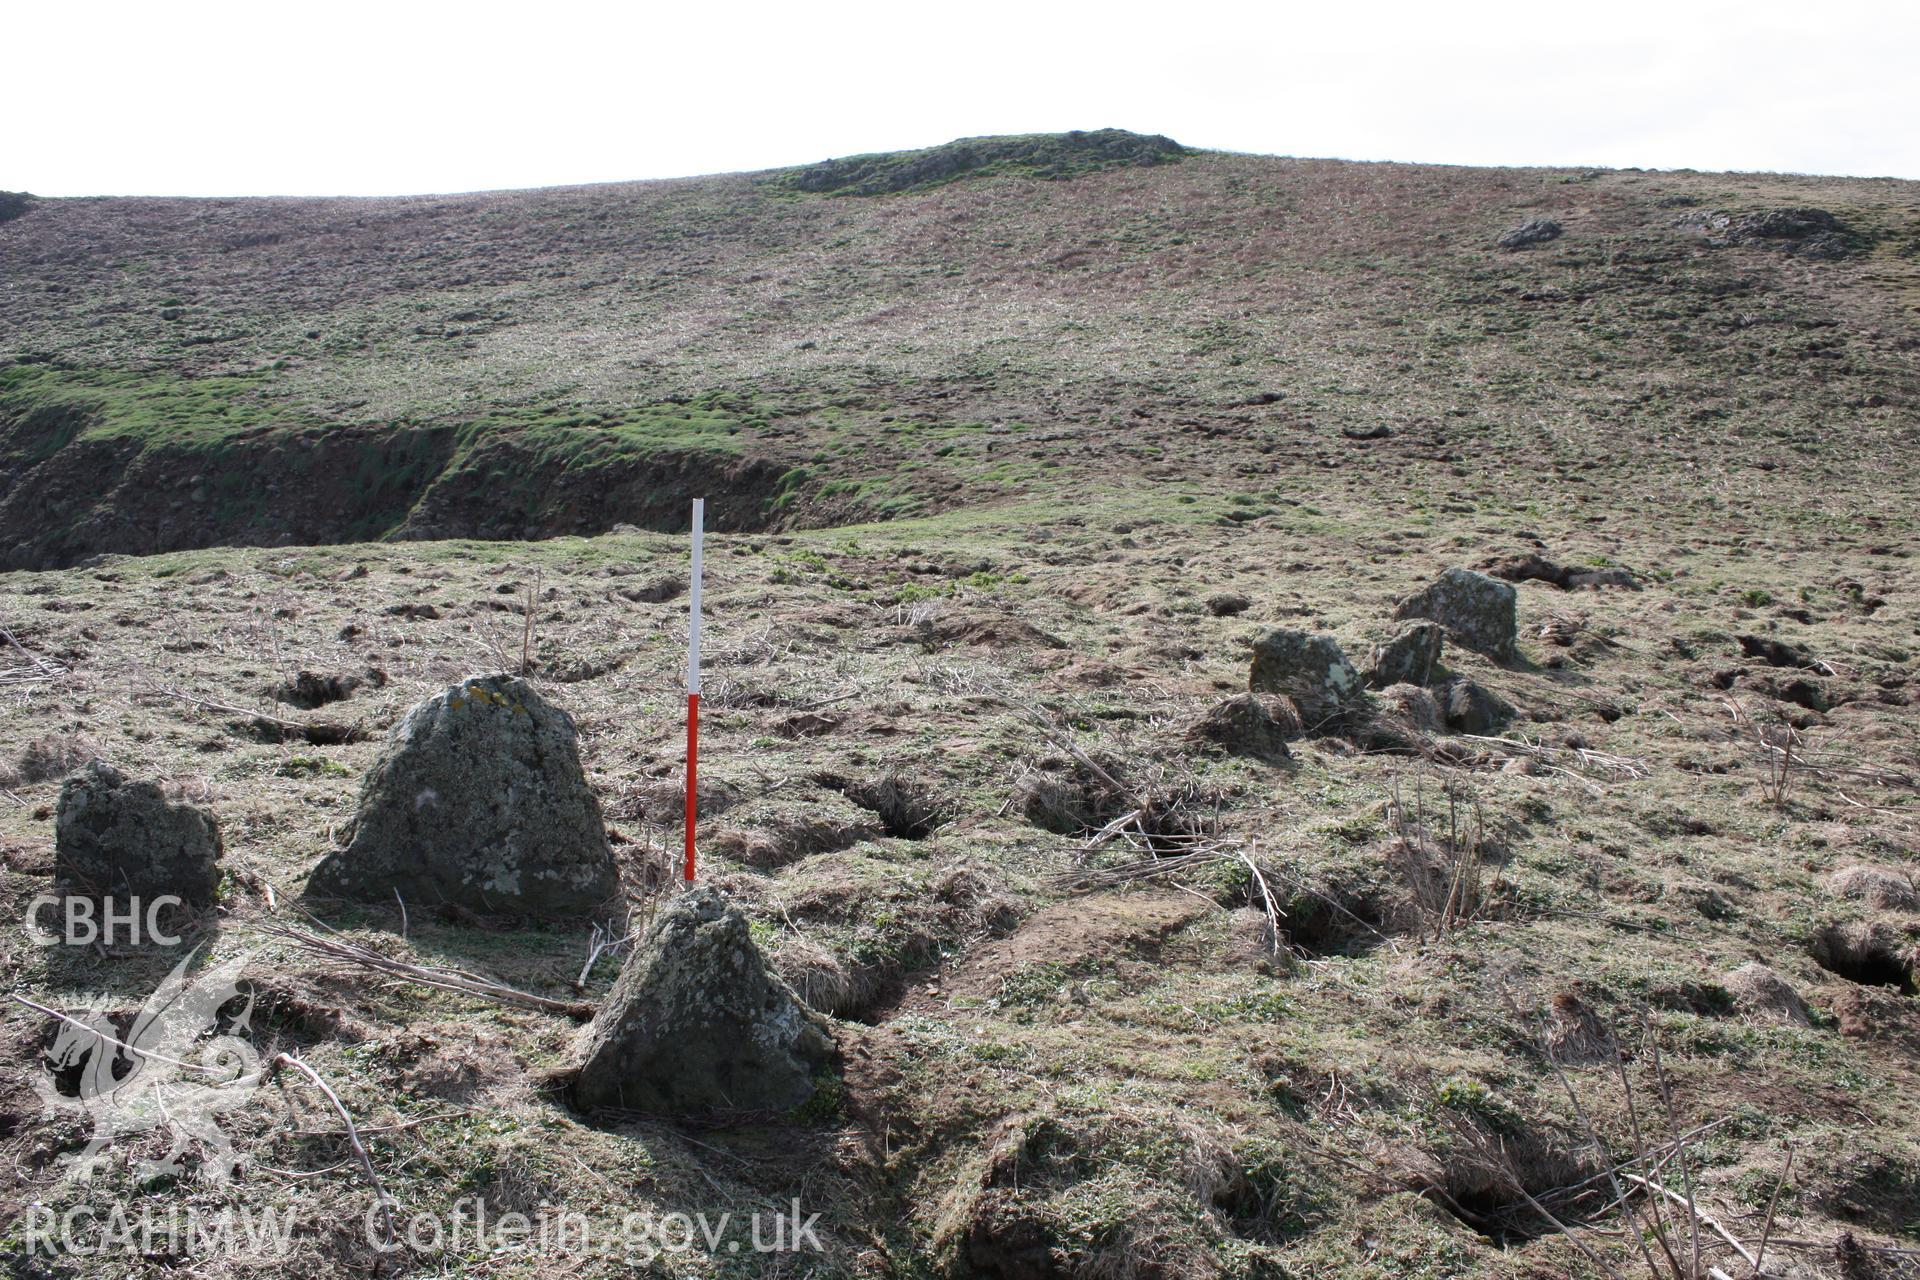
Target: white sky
column 179, row 97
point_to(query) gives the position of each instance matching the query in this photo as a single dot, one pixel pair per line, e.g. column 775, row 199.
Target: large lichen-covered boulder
column 479, row 801
column 697, row 1023
column 1478, row 612
column 121, row 839
column 1311, row 670
column 1409, row 657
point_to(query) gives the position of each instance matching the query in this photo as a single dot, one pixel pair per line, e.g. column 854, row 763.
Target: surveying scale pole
column 693, row 687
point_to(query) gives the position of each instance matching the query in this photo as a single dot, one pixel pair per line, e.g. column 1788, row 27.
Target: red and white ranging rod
column 693, row 686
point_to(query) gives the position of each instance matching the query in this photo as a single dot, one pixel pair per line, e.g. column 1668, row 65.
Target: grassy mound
column 1053, row 156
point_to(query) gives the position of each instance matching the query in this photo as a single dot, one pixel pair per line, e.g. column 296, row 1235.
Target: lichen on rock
column 697, row 1023
column 1409, row 657
column 479, row 801
column 1479, row 613
column 122, row 839
column 1310, row 669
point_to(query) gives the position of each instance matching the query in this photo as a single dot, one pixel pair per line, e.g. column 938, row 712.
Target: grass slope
column 998, row 447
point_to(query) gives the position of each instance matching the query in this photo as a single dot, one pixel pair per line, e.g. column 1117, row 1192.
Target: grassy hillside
column 1014, row 317
column 1014, row 445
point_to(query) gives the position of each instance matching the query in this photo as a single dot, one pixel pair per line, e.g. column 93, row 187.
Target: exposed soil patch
column 658, row 591
column 1068, row 798
column 1329, row 922
column 1491, row 1176
column 987, row 630
column 53, row 756
column 61, row 502
column 1777, row 653
column 767, row 837
column 1534, row 567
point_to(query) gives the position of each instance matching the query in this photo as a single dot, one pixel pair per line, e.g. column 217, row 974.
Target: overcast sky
column 260, row 98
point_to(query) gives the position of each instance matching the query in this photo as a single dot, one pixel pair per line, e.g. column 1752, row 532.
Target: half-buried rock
column 1409, row 657
column 479, row 801
column 121, row 839
column 697, row 1023
column 1478, row 612
column 1310, row 669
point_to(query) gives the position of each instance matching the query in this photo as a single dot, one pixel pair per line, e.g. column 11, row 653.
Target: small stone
column 1409, row 657
column 1479, row 613
column 1226, row 604
column 1472, row 708
column 1311, row 670
column 125, row 840
column 479, row 801
column 697, row 1023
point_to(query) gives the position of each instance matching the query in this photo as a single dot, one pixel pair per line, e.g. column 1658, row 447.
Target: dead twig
column 45, row 670
column 1271, row 909
column 103, row 1038
column 1701, row 1217
column 1604, row 763
column 385, row 1201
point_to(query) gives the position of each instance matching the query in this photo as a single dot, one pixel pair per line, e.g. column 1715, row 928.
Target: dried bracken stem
column 472, row 984
column 1561, row 759
column 1274, row 936
column 526, row 631
column 1443, row 871
column 1059, row 737
column 1779, row 745
column 1675, row 1236
column 1773, row 1203
column 1200, row 852
column 37, row 668
column 385, row 1201
column 102, row 1037
column 1701, row 1218
column 603, row 940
